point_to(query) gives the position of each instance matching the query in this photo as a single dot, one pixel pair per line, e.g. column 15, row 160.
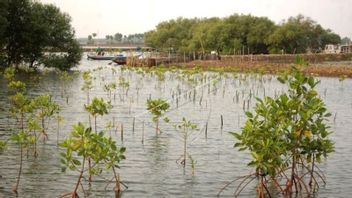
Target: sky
column 107, row 17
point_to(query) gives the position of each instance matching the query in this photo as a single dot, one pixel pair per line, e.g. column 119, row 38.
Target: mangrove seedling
column 109, row 88
column 186, row 128
column 2, row 145
column 44, row 109
column 124, row 84
column 65, row 79
column 158, row 107
column 287, row 133
column 95, row 108
column 87, row 86
column 19, row 107
column 83, row 144
column 98, row 107
column 24, row 140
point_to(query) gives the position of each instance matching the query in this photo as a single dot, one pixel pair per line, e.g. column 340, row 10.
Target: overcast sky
column 138, row 16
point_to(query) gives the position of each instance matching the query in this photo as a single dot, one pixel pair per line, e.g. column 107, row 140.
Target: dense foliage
column 287, row 133
column 28, row 29
column 240, row 34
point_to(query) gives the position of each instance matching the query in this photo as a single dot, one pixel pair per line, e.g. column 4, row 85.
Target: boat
column 100, row 57
column 120, row 59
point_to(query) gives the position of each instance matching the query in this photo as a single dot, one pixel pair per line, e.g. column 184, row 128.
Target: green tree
column 240, row 33
column 34, row 28
column 60, row 37
column 300, row 34
column 17, row 30
column 118, row 37
column 3, row 27
column 90, row 39
column 345, row 40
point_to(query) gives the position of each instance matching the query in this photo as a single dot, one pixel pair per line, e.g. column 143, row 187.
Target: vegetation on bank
column 29, row 29
column 240, row 34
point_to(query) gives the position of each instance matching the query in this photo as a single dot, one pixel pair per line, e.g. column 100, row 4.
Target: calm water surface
column 151, row 169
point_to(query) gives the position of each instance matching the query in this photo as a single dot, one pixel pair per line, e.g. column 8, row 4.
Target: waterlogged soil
column 151, row 168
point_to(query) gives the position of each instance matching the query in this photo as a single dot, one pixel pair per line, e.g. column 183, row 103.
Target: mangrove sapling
column 65, row 79
column 23, row 140
column 158, row 107
column 59, row 120
column 124, row 85
column 32, row 128
column 44, row 109
column 109, row 88
column 285, row 133
column 95, row 108
column 98, row 107
column 112, row 158
column 19, row 107
column 19, row 102
column 185, row 129
column 87, row 86
column 84, row 144
column 3, row 145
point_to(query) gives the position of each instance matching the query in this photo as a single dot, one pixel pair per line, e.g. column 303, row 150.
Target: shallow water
column 150, row 169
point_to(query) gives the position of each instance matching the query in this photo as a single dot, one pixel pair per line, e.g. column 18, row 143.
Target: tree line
column 30, row 29
column 241, row 34
column 137, row 38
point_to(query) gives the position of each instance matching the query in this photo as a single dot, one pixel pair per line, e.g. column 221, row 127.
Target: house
column 337, row 49
column 347, row 48
column 332, row 49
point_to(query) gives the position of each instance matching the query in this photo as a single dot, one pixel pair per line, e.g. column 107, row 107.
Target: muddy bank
column 320, row 69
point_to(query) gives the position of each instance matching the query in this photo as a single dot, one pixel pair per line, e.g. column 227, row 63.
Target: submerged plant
column 84, row 144
column 286, row 133
column 158, row 107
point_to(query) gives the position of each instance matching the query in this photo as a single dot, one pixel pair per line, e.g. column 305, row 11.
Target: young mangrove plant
column 23, row 140
column 186, row 128
column 44, row 109
column 95, row 108
column 98, row 107
column 124, row 85
column 158, row 107
column 87, row 86
column 84, row 144
column 3, row 145
column 286, row 137
column 20, row 105
column 65, row 80
column 109, row 88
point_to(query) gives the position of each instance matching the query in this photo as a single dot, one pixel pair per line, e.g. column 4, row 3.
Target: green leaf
column 249, row 114
column 122, row 149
